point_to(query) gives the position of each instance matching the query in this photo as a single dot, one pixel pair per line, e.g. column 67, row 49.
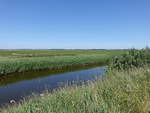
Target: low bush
column 131, row 59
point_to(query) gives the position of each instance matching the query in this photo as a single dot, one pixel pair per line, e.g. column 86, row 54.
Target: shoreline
column 103, row 95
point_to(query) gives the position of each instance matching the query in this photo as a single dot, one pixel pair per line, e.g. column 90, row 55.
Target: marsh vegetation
column 120, row 92
column 28, row 60
column 125, row 89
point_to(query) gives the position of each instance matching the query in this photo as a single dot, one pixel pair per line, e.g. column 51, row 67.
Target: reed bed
column 27, row 60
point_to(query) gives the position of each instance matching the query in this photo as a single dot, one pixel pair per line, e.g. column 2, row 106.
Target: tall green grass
column 124, row 90
column 120, row 92
column 27, row 60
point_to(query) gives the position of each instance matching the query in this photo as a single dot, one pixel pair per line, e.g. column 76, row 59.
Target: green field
column 28, row 60
column 120, row 92
column 125, row 89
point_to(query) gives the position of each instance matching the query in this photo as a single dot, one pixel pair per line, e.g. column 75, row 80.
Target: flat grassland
column 122, row 91
column 28, row 60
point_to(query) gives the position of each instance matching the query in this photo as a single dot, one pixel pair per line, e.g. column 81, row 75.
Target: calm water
column 18, row 86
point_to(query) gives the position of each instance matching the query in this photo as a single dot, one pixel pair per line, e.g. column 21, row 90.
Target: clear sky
column 71, row 24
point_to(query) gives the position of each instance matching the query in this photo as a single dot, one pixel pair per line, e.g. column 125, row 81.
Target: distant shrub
column 133, row 58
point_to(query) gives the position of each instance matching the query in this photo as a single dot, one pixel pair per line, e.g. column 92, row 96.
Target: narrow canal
column 17, row 86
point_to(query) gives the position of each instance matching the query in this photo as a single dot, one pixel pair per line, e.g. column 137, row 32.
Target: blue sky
column 74, row 24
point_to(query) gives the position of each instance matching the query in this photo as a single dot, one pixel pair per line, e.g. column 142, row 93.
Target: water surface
column 18, row 86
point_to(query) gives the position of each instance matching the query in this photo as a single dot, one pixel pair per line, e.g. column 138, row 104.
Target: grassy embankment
column 124, row 90
column 120, row 92
column 28, row 60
